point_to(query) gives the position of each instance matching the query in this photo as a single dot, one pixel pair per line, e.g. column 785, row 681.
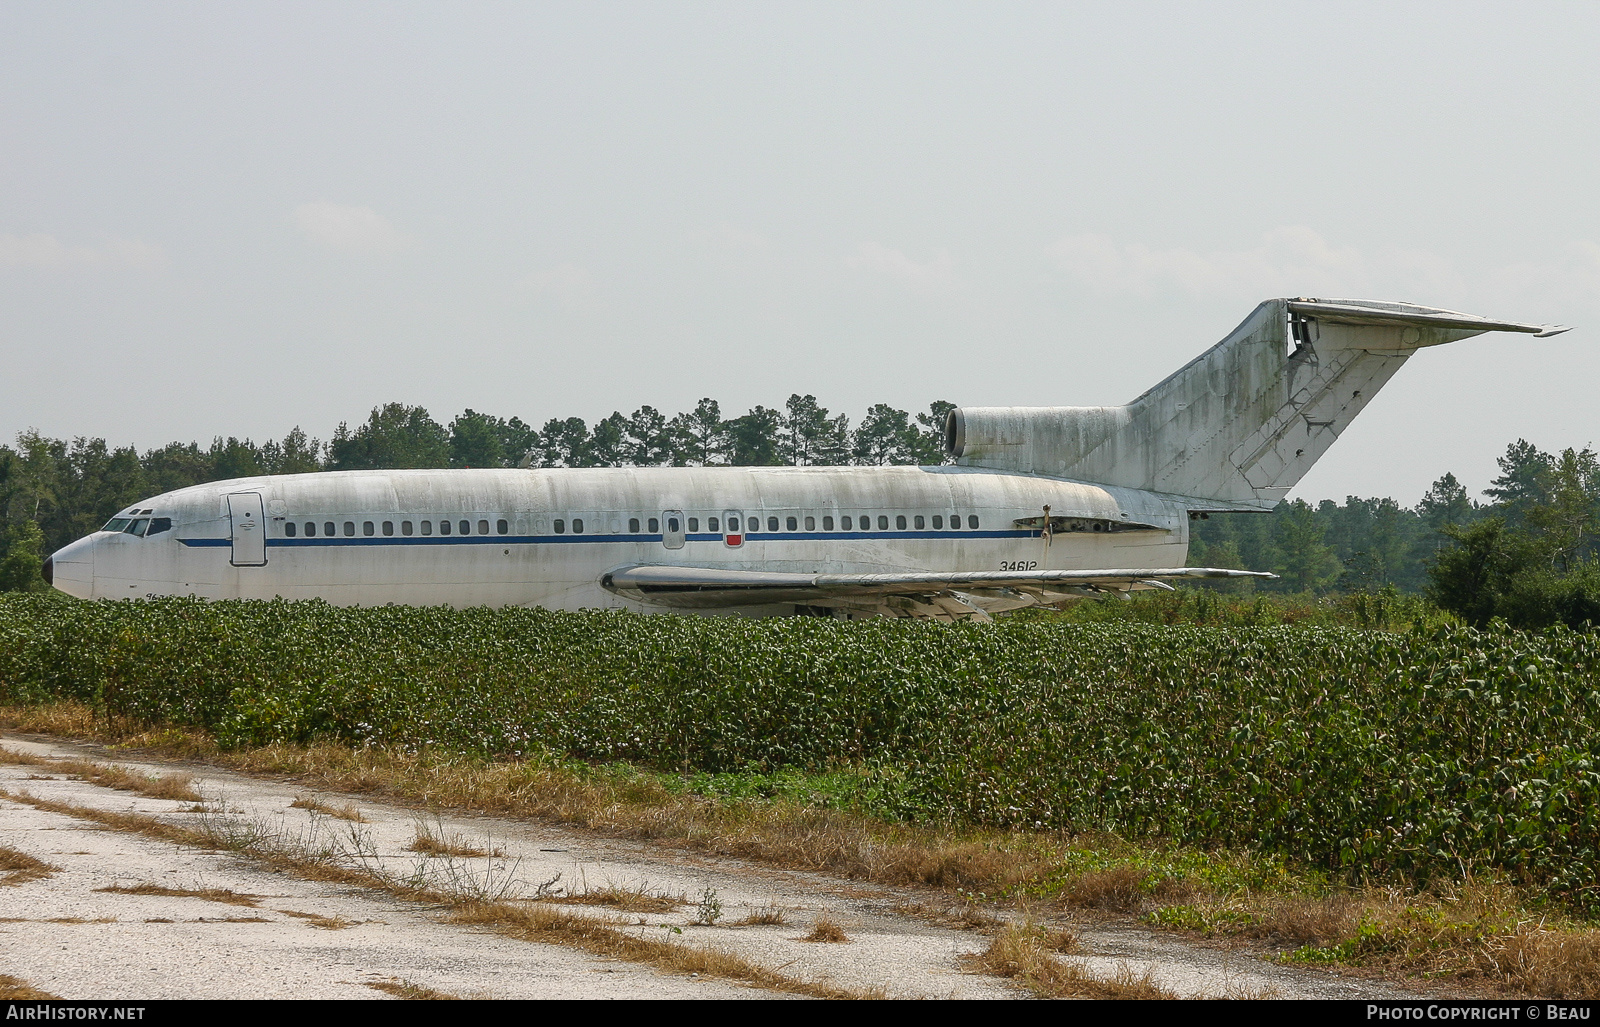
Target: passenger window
column 845, row 522
column 388, row 527
column 444, row 527
column 561, row 527
column 366, row 528
column 772, row 524
column 290, row 528
column 938, row 521
column 955, row 522
column 793, row 524
column 311, row 529
column 349, row 528
column 827, row 524
column 920, row 524
column 577, row 525
column 899, row 522
column 811, row 524
column 158, row 525
column 711, row 524
column 883, row 522
column 483, row 528
column 694, row 524
column 633, row 525
column 405, row 527
column 655, row 525
column 327, row 528
column 502, row 527
column 427, row 527
column 972, row 521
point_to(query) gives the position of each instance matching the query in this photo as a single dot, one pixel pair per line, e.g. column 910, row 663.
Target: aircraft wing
column 940, row 595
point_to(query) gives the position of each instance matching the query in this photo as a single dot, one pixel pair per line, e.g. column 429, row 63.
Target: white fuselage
column 547, row 537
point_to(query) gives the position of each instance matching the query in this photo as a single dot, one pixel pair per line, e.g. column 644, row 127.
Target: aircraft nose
column 70, row 569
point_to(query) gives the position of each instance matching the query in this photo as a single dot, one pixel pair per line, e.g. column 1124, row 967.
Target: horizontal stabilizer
column 1405, row 315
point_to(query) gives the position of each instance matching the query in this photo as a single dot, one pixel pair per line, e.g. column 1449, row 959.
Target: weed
column 709, row 911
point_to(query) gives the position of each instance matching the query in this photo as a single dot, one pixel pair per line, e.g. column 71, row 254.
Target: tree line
column 53, row 491
column 1528, row 552
column 1527, row 549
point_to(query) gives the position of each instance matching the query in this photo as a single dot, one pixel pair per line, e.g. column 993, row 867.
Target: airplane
column 1043, row 505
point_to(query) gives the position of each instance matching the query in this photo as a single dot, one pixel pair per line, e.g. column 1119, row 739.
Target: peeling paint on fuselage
column 531, row 565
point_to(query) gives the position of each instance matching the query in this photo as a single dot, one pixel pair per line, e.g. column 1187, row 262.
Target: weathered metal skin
column 1048, row 504
column 1242, row 423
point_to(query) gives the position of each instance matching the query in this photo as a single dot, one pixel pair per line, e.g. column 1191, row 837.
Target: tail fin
column 1240, row 424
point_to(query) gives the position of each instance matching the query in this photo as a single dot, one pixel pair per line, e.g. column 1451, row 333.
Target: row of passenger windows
column 752, row 525
column 330, row 528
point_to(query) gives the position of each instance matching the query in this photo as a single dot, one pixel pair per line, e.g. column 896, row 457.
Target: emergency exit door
column 249, row 529
column 672, row 533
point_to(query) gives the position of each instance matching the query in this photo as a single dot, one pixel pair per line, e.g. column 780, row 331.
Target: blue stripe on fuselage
column 523, row 540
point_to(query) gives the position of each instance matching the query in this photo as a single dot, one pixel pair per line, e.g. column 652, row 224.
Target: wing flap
column 709, row 587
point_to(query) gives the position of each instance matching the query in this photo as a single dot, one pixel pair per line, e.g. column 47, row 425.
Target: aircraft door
column 249, row 529
column 672, row 529
column 733, row 528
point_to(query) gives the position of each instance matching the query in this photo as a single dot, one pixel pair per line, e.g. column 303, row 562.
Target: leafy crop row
column 1426, row 753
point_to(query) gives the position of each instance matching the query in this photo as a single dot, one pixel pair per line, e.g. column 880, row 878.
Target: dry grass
column 764, row 916
column 346, row 812
column 1020, row 952
column 431, row 843
column 1500, row 945
column 969, row 916
column 410, row 990
column 17, row 867
column 224, row 895
column 1065, row 940
column 17, row 990
column 603, row 938
column 628, row 900
column 327, row 923
column 826, row 929
column 536, row 922
column 1552, row 964
column 177, row 786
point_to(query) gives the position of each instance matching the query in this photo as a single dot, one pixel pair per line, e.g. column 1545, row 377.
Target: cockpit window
column 116, row 524
column 137, row 526
column 158, row 525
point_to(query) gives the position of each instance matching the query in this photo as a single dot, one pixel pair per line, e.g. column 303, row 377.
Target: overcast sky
column 237, row 218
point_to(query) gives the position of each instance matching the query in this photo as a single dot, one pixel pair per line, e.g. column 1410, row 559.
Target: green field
column 1374, row 755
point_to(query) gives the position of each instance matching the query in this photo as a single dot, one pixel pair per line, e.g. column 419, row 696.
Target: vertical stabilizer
column 1240, row 424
